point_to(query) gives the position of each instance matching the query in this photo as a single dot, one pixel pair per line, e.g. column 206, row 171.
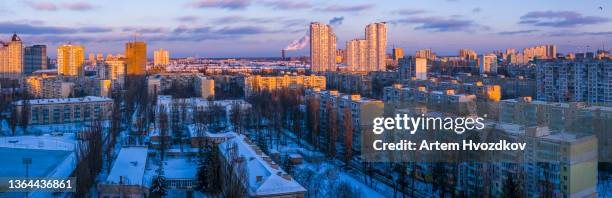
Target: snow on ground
column 52, row 157
column 64, row 142
column 324, row 179
column 323, row 170
column 604, row 188
column 44, row 162
column 50, row 128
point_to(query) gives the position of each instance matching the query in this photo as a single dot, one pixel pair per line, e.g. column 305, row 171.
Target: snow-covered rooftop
column 66, row 100
column 62, row 142
column 129, row 166
column 274, row 181
column 195, row 132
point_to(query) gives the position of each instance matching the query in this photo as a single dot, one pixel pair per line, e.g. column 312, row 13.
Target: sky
column 261, row 28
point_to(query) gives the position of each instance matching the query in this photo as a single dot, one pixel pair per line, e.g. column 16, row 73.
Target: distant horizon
column 250, row 28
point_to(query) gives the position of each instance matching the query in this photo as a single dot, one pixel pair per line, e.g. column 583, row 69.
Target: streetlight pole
column 27, row 161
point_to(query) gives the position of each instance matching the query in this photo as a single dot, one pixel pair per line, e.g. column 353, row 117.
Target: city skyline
column 261, row 28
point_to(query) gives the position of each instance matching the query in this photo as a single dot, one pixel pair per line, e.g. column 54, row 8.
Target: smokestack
column 283, row 55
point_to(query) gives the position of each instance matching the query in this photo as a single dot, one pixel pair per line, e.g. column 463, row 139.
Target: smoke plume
column 298, row 44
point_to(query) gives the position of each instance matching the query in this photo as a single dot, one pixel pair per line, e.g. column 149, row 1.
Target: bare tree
column 313, row 120
column 332, row 129
column 13, row 120
column 24, row 118
column 163, row 131
column 89, row 159
column 348, row 136
column 234, row 173
column 237, row 117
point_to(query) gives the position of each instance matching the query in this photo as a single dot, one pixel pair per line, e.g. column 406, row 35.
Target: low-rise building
column 262, row 177
column 253, row 84
column 201, row 136
column 66, row 110
column 399, row 93
column 191, row 106
column 559, row 163
column 48, row 87
column 194, row 83
column 127, row 176
column 204, row 87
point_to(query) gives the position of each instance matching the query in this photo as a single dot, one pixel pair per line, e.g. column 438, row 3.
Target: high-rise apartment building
column 397, row 53
column 356, row 55
column 468, row 54
column 340, row 56
column 322, row 47
column 161, row 57
column 425, row 53
column 99, row 57
column 113, row 69
column 363, row 111
column 376, row 38
column 488, row 63
column 413, row 67
column 542, row 52
column 34, row 58
column 70, row 60
column 204, row 86
column 48, row 87
column 11, row 58
column 91, row 59
column 136, row 57
column 585, row 80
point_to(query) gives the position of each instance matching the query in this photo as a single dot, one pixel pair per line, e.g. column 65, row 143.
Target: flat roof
column 129, row 165
column 66, row 100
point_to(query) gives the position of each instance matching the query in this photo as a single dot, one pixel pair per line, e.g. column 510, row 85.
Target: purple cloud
column 225, row 4
column 237, row 19
column 234, row 30
column 96, row 29
column 7, row 27
column 184, row 29
column 48, row 6
column 43, row 6
column 517, row 32
column 348, row 8
column 78, row 6
column 145, row 30
column 336, row 21
column 241, row 19
column 410, row 11
column 573, row 34
column 21, row 28
column 242, row 30
column 560, row 19
column 476, row 10
column 438, row 24
column 187, row 18
column 286, row 5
